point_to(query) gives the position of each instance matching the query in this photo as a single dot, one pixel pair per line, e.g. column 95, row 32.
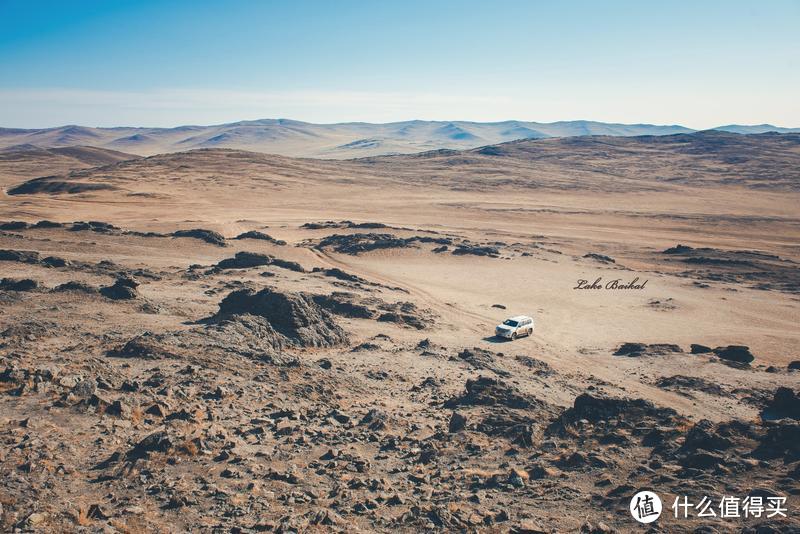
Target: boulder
column 735, row 353
column 124, row 288
column 18, row 284
column 458, row 422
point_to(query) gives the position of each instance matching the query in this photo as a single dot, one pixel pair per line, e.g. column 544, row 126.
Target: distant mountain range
column 336, row 141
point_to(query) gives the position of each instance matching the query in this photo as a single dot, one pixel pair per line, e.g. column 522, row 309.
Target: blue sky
column 116, row 62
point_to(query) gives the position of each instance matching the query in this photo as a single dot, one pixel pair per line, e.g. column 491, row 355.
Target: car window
column 509, row 322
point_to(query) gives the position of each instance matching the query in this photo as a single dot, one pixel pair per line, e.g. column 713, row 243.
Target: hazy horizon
column 453, row 120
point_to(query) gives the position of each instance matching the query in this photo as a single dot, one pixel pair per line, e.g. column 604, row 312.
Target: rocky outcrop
column 599, row 257
column 18, row 284
column 247, row 260
column 785, row 403
column 486, row 391
column 294, row 316
column 634, row 350
column 124, row 288
column 255, row 234
column 465, row 249
column 609, row 412
column 358, row 243
column 209, row 236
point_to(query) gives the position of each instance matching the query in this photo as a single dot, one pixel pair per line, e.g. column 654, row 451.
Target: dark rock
column 785, row 403
column 702, row 460
column 209, row 236
column 499, row 306
column 699, row 349
column 735, row 353
column 94, row 226
column 13, row 225
column 631, row 349
column 156, row 442
column 47, row 224
column 245, row 260
column 439, row 250
column 18, row 284
column 147, row 346
column 485, row 391
column 85, row 388
column 704, row 436
column 599, row 257
column 403, row 319
column 539, row 367
column 293, row 315
column 511, row 425
column 76, row 286
column 634, row 350
column 375, row 420
column 21, row 256
column 54, row 261
column 341, row 275
column 342, row 224
column 482, row 359
column 358, row 243
column 794, row 366
column 689, row 385
column 342, row 304
column 124, row 288
column 781, row 440
column 290, row 265
column 678, row 249
column 255, row 234
column 119, row 409
column 97, row 513
column 457, row 423
column 609, row 411
column 475, row 250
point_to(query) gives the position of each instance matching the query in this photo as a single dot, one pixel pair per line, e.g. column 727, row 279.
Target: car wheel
column 513, row 336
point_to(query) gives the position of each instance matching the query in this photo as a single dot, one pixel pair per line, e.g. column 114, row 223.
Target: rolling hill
column 335, row 141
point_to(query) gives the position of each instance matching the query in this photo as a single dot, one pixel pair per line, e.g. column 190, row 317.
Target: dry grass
column 82, row 516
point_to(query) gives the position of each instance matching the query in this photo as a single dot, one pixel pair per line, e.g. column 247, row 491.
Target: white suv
column 518, row 326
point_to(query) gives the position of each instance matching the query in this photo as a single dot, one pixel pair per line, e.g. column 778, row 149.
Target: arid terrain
column 219, row 340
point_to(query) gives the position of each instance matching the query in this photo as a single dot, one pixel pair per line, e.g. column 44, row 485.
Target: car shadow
column 497, row 339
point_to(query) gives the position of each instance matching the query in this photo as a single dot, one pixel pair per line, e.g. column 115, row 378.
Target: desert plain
column 220, row 340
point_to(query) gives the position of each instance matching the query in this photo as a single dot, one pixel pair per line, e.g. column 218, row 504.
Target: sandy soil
column 738, row 285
